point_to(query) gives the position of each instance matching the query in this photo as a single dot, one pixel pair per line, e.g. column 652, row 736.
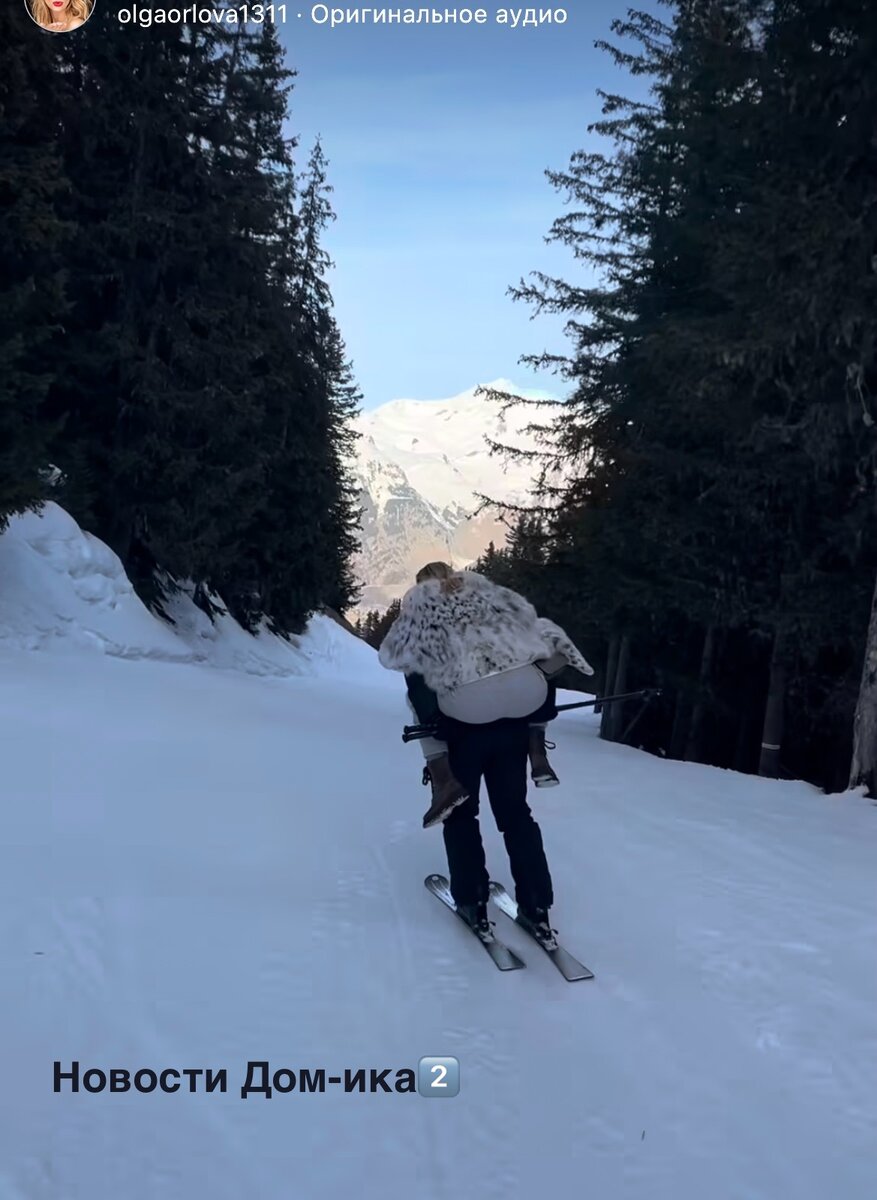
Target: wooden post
column 609, row 685
column 693, row 747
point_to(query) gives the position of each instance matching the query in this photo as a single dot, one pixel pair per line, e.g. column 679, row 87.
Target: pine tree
column 343, row 589
column 154, row 384
column 32, row 307
column 807, row 337
column 312, row 480
column 814, row 349
column 203, row 387
column 302, row 533
column 378, row 625
column 273, row 572
column 710, row 371
column 643, row 527
column 863, row 768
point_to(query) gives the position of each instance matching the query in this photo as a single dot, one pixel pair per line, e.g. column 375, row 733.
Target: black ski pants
column 498, row 754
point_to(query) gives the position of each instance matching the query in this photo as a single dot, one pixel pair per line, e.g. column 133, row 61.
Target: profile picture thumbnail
column 59, row 16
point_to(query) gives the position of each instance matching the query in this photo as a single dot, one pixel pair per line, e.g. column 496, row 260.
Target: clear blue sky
column 438, row 138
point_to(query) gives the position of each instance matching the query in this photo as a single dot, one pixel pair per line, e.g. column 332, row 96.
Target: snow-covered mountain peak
column 421, row 466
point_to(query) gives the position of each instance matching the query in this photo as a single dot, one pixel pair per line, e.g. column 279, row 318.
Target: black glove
column 424, row 701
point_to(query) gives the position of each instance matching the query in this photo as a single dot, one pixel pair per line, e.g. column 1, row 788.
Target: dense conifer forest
column 715, row 531
column 170, row 367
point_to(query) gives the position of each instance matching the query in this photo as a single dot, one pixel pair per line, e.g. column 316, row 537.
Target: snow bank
column 62, row 588
column 324, row 648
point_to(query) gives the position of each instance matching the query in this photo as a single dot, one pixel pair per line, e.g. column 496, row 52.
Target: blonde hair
column 434, row 570
column 43, row 13
column 450, row 581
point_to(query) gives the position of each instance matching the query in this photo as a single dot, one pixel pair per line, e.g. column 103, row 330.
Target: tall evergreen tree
column 707, row 360
column 863, row 768
column 203, row 390
column 808, row 227
column 345, row 511
column 272, row 572
column 32, row 308
column 316, row 482
column 377, row 625
column 152, row 385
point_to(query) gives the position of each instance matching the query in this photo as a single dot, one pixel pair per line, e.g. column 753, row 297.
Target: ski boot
column 541, row 769
column 535, row 920
column 476, row 916
column 447, row 791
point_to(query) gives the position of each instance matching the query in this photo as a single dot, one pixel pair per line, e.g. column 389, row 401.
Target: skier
column 478, row 661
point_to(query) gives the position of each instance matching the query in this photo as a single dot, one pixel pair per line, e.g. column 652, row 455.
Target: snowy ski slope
column 213, row 854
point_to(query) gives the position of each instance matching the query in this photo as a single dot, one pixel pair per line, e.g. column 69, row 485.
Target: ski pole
column 412, row 733
column 644, row 694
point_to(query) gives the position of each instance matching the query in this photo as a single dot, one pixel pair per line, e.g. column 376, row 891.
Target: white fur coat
column 456, row 637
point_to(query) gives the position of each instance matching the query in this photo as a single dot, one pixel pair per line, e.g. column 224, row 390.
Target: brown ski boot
column 541, row 769
column 447, row 791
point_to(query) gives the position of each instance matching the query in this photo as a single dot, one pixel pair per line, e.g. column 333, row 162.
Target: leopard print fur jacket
column 455, row 635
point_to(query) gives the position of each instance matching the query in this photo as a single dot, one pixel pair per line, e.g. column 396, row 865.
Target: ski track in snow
column 203, row 868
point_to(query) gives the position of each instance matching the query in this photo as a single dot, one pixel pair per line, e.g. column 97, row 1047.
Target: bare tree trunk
column 681, row 724
column 774, row 713
column 864, row 765
column 693, row 746
column 619, row 684
column 608, row 683
column 743, row 749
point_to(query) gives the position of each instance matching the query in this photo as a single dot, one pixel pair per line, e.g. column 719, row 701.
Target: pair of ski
column 504, row 957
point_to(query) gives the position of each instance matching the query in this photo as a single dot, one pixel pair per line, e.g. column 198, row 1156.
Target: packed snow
column 213, row 854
